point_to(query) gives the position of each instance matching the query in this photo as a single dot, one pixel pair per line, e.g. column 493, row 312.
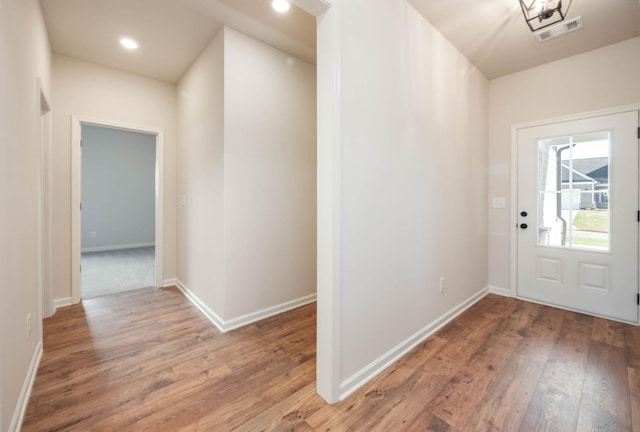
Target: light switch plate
column 499, row 203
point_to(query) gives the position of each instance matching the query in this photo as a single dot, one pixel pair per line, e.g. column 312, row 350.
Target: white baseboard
column 117, row 247
column 505, row 292
column 169, row 282
column 213, row 317
column 366, row 374
column 25, row 393
column 232, row 324
column 61, row 302
column 268, row 312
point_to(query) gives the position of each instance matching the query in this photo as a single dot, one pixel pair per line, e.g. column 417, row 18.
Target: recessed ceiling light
column 280, row 5
column 129, row 43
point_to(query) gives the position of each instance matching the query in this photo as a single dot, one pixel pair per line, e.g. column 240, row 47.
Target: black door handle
column 523, row 214
column 523, row 226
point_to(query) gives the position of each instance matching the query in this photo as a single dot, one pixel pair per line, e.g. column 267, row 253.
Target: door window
column 573, row 191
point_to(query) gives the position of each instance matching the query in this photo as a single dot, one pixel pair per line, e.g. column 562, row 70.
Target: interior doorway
column 117, row 173
column 118, row 210
column 577, row 204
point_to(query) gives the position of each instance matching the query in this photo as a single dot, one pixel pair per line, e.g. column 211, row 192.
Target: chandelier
column 542, row 13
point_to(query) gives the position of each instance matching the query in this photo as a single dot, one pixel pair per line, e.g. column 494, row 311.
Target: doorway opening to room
column 117, row 178
column 118, row 210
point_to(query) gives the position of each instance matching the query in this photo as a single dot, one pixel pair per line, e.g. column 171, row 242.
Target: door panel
column 577, row 214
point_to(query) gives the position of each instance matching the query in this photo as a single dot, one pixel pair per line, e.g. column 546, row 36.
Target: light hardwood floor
column 147, row 360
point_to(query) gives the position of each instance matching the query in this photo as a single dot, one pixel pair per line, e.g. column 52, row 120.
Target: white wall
column 603, row 78
column 247, row 171
column 93, row 91
column 118, row 188
column 24, row 56
column 270, row 175
column 412, row 182
column 200, row 231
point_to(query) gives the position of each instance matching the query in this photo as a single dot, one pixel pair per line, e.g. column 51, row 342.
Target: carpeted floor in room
column 115, row 271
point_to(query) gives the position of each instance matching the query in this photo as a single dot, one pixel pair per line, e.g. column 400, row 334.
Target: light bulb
column 129, row 43
column 280, row 5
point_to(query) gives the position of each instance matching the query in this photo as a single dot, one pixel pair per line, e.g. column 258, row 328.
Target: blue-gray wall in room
column 118, row 188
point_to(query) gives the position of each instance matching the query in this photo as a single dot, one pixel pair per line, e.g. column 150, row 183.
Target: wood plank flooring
column 147, row 360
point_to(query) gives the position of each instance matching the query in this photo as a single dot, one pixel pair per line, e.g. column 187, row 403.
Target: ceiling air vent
column 558, row 29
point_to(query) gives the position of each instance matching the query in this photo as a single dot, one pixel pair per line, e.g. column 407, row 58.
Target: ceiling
column 171, row 33
column 493, row 34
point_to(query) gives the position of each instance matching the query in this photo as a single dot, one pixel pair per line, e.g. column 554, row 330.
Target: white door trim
column 44, row 207
column 513, row 219
column 76, row 163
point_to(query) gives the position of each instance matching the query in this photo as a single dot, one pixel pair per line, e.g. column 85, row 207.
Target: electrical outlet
column 28, row 326
column 441, row 285
column 94, row 234
column 183, row 200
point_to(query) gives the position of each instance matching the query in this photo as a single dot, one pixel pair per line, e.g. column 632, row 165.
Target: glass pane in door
column 573, row 191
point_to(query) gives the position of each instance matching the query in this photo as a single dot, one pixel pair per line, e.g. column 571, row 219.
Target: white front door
column 578, row 214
